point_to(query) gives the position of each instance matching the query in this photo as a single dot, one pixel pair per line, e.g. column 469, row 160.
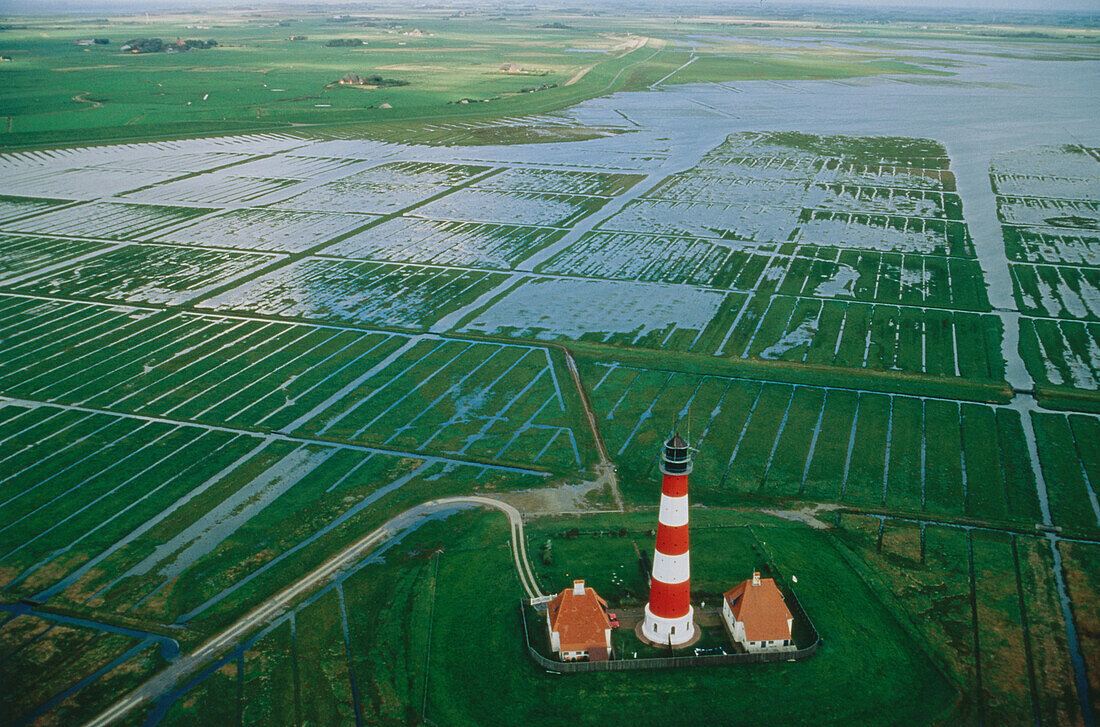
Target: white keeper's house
column 578, row 624
column 757, row 617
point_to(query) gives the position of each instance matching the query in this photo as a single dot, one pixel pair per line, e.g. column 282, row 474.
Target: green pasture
column 1058, row 356
column 150, row 486
column 391, row 668
column 386, row 295
column 146, row 274
column 257, row 78
column 1082, row 566
column 1071, row 468
column 769, row 442
column 20, row 255
column 929, row 281
column 938, row 343
column 59, row 663
column 1011, row 630
column 479, row 401
column 1070, row 288
column 442, row 242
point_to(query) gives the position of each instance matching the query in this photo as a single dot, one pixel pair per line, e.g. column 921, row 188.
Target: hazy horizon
column 83, row 7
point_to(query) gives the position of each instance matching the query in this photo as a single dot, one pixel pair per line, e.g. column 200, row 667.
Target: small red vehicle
column 614, row 619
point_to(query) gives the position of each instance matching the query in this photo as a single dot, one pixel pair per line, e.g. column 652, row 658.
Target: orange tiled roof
column 761, row 609
column 580, row 621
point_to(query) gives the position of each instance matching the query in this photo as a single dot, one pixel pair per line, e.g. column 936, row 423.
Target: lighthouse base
column 675, row 632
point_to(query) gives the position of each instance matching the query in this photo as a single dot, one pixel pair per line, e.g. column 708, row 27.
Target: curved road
column 278, row 604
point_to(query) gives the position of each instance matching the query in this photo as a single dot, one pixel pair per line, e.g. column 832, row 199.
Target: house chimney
column 578, row 588
column 756, row 578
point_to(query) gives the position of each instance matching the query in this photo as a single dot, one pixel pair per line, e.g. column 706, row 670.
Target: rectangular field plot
column 181, row 161
column 518, row 208
column 1035, row 185
column 13, row 208
column 884, row 232
column 378, row 294
column 1052, row 246
column 711, row 188
column 107, row 220
column 824, row 170
column 384, row 189
column 633, row 314
column 21, row 256
column 1061, row 353
column 486, row 401
column 1058, row 213
column 1071, row 468
column 780, row 440
column 146, row 274
column 267, row 229
column 744, row 223
column 1081, row 562
column 789, row 269
column 83, row 183
column 720, row 164
column 1053, row 165
column 982, row 600
column 890, row 201
column 690, row 260
column 473, row 244
column 61, row 653
column 561, row 182
column 1059, row 292
column 875, row 200
column 181, row 366
column 875, row 336
column 291, row 166
column 858, row 150
column 219, row 188
column 889, row 175
column 415, row 173
column 167, row 521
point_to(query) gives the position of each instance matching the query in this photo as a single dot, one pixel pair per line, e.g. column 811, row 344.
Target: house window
column 673, row 629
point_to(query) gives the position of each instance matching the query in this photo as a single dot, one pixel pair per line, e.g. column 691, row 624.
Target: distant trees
column 156, row 45
column 343, row 43
column 352, row 79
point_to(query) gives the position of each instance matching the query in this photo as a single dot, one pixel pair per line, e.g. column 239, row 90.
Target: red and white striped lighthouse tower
column 668, row 615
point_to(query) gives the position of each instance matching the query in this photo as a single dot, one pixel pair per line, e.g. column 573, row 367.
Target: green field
column 375, row 664
column 257, row 78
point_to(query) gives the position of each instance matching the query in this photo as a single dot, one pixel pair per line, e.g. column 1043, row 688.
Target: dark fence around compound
column 680, row 662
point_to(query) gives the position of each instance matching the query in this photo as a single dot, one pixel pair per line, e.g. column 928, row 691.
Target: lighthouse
column 668, row 615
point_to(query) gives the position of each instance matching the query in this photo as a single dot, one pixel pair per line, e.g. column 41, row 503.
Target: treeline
column 343, row 43
column 156, row 45
column 351, row 79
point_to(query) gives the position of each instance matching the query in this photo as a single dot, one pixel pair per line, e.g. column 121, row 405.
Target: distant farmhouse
column 509, row 68
column 757, row 617
column 370, row 82
column 579, row 625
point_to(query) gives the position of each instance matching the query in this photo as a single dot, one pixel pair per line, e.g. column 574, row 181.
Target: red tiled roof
column 580, row 621
column 761, row 609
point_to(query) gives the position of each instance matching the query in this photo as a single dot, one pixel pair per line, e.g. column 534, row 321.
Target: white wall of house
column 555, row 638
